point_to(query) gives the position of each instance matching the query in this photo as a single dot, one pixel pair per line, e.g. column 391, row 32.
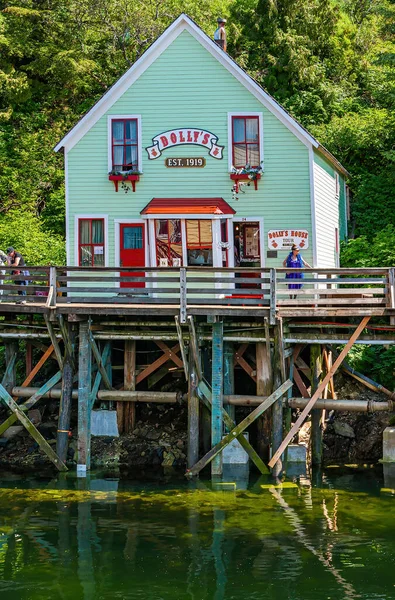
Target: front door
column 132, row 251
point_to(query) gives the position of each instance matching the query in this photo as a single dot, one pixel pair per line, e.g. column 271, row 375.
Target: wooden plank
column 314, row 398
column 130, row 384
column 36, row 435
column 243, row 363
column 172, row 355
column 98, row 359
column 317, row 415
column 183, row 295
column 229, row 376
column 205, row 395
column 299, row 382
column 97, row 382
column 193, row 414
column 62, row 439
column 278, row 378
column 238, row 430
column 264, row 387
column 338, row 281
column 273, row 296
column 331, row 292
column 54, row 342
column 217, row 391
column 194, row 346
column 10, row 351
column 332, row 301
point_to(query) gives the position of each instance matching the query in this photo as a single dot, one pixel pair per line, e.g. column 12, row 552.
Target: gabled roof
column 185, row 23
column 188, row 206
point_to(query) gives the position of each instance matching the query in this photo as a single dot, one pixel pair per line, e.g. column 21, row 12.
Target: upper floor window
column 245, row 141
column 125, row 144
column 91, row 242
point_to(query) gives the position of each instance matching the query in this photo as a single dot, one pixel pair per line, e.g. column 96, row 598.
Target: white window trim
column 110, row 118
column 76, row 236
column 230, row 138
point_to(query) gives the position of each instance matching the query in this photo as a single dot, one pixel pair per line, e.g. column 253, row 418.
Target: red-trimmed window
column 91, row 242
column 168, row 239
column 124, row 141
column 199, row 242
column 245, row 141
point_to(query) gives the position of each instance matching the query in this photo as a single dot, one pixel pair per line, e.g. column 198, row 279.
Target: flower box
column 245, row 177
column 117, row 178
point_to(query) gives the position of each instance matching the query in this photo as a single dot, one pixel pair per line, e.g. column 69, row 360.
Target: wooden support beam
column 194, row 346
column 11, row 351
column 68, row 345
column 217, row 387
column 54, row 342
column 229, row 376
column 193, row 414
column 32, row 400
column 100, row 365
column 315, row 396
column 168, row 354
column 240, row 360
column 300, row 384
column 62, row 440
column 97, row 382
column 36, row 435
column 264, row 387
column 317, row 415
column 238, row 430
column 129, row 384
column 182, row 346
column 29, row 358
column 84, row 398
column 278, row 378
column 205, row 396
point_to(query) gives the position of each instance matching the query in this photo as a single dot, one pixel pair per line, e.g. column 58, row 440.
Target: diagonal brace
column 205, row 396
column 97, row 382
column 99, row 361
column 20, row 415
column 239, row 428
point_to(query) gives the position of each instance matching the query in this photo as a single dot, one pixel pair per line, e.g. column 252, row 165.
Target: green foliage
column 376, row 362
column 375, row 251
column 25, row 233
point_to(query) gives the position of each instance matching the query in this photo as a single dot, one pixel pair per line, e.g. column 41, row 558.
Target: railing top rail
column 338, row 271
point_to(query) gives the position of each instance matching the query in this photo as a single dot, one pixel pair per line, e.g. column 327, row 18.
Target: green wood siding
column 187, row 87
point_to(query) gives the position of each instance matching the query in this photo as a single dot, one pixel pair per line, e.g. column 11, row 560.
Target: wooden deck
column 200, row 292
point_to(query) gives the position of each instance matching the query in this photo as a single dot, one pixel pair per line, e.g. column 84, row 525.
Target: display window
column 168, row 242
column 199, row 242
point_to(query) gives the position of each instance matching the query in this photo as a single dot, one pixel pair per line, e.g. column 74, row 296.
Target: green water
column 106, row 538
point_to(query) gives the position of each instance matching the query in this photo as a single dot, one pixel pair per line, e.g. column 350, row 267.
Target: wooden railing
column 187, row 288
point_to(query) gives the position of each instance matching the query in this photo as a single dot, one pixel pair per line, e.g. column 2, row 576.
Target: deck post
column 316, row 435
column 11, row 350
column 229, row 376
column 65, row 400
column 278, row 379
column 129, row 414
column 84, row 399
column 264, row 387
column 193, row 413
column 217, row 392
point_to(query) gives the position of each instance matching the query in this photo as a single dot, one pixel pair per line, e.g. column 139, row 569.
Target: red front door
column 132, row 251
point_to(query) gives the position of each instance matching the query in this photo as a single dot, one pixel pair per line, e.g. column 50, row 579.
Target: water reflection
column 106, row 538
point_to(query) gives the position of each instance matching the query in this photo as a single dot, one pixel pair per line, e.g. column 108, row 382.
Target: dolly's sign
column 283, row 239
column 181, row 137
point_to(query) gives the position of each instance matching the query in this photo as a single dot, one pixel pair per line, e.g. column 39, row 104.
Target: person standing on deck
column 220, row 33
column 3, row 262
column 15, row 259
column 294, row 260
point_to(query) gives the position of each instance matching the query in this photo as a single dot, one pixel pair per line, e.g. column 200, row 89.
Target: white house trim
column 313, row 213
column 67, row 203
column 183, row 23
column 110, row 118
column 117, row 239
column 230, row 136
column 76, row 236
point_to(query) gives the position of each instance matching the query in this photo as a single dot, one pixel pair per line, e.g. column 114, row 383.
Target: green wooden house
column 186, row 160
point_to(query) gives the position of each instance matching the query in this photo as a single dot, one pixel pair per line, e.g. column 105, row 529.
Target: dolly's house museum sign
column 181, row 137
column 283, row 239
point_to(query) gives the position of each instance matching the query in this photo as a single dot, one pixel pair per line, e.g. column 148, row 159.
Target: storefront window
column 168, row 240
column 199, row 242
column 91, row 242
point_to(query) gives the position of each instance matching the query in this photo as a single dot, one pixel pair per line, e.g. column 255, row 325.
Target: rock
column 180, row 444
column 343, row 429
column 153, row 435
column 168, row 459
column 35, row 416
column 13, row 431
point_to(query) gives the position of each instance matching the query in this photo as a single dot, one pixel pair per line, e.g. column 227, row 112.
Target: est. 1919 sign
column 185, row 162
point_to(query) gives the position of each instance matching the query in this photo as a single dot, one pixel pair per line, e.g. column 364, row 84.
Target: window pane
column 97, row 231
column 192, row 232
column 253, row 155
column 206, row 237
column 252, row 130
column 132, row 238
column 238, row 130
column 84, row 232
column 131, row 157
column 98, row 260
column 118, row 156
column 117, row 132
column 168, row 240
column 240, row 155
column 85, row 256
column 131, row 131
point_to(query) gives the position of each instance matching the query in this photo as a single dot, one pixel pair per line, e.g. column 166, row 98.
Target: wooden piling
column 316, row 434
column 11, row 350
column 193, row 413
column 129, row 421
column 66, row 398
column 229, row 376
column 278, row 379
column 84, row 398
column 217, row 393
column 264, row 387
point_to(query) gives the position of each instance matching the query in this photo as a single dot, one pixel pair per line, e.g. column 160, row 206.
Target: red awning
column 188, row 206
